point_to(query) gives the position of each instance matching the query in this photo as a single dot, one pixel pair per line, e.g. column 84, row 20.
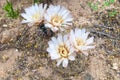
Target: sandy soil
column 23, row 53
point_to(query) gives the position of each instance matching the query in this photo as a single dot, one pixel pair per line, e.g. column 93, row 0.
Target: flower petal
column 65, row 62
column 85, row 53
column 59, row 62
column 71, row 57
column 89, row 41
column 86, row 47
column 54, row 56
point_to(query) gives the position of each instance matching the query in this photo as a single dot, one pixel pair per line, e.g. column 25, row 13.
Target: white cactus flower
column 60, row 49
column 34, row 15
column 79, row 39
column 58, row 18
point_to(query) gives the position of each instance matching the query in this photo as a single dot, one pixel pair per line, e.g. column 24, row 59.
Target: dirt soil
column 23, row 53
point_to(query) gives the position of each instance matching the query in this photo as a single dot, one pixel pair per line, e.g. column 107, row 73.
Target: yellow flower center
column 63, row 51
column 36, row 16
column 56, row 20
column 80, row 42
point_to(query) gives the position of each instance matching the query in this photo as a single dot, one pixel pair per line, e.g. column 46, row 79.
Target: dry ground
column 23, row 53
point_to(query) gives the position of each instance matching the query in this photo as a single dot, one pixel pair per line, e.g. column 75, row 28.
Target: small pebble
column 115, row 66
column 16, row 50
column 5, row 25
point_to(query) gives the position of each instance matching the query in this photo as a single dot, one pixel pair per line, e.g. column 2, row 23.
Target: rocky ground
column 23, row 53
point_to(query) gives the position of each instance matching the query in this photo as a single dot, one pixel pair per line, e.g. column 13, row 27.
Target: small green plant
column 93, row 6
column 112, row 13
column 37, row 1
column 108, row 2
column 8, row 7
